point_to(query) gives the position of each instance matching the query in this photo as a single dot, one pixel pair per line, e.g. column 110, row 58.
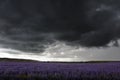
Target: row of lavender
column 59, row 71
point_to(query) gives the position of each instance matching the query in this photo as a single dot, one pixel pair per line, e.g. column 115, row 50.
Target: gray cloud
column 29, row 25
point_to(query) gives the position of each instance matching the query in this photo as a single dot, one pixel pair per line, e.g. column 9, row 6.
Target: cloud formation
column 29, row 25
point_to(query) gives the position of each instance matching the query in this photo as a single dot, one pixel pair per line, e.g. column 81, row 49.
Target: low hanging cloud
column 30, row 25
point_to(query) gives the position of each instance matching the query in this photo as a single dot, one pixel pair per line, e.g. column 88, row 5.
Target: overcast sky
column 60, row 30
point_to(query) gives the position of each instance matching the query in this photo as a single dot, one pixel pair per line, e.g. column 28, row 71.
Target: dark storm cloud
column 28, row 25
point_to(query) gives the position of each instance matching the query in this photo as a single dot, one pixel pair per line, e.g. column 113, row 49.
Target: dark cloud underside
column 28, row 25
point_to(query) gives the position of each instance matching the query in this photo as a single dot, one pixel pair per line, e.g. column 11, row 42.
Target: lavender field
column 59, row 71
